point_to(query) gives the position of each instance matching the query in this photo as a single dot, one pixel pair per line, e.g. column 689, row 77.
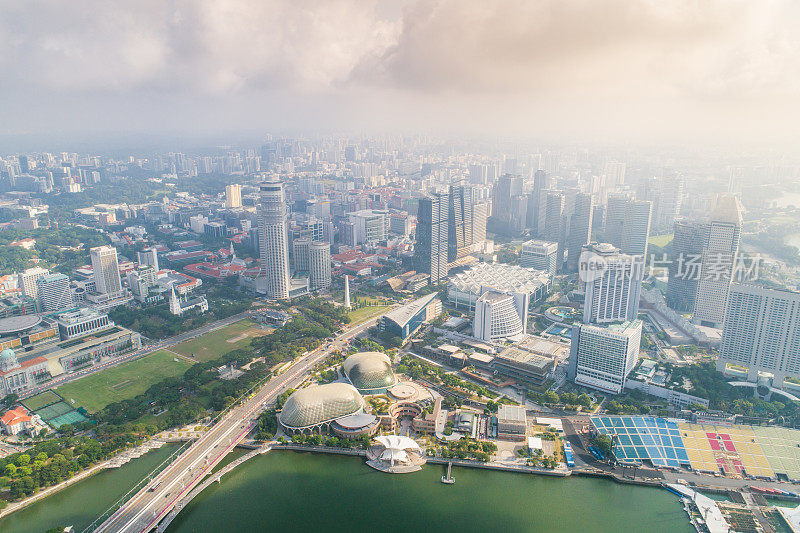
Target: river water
column 293, row 491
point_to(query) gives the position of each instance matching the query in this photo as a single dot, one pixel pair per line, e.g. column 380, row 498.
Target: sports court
column 644, row 438
column 52, row 409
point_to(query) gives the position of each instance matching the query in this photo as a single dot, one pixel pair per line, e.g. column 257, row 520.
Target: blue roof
column 644, row 438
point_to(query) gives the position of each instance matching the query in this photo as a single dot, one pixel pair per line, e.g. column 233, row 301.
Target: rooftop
column 404, row 314
column 500, row 277
column 17, row 324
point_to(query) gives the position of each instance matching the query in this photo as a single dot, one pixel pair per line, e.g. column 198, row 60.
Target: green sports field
column 122, row 382
column 34, row 403
column 212, row 345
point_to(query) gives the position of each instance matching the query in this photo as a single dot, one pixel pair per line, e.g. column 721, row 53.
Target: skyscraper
column 541, row 182
column 106, row 270
column 628, row 223
column 613, row 284
column 233, row 196
column 319, row 258
column 720, row 254
column 430, row 250
column 459, row 225
column 684, row 267
column 148, row 256
column 301, row 250
column 273, row 240
column 29, row 279
column 54, row 293
column 504, row 190
column 480, row 212
column 579, row 230
column 762, row 332
column 602, row 357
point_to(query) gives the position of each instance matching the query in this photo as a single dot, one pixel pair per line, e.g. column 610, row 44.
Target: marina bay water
column 291, row 491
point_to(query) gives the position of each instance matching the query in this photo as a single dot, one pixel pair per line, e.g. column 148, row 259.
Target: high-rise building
column 24, row 166
column 273, row 239
column 541, row 182
column 602, row 357
column 720, row 253
column 400, row 224
column 541, row 255
column 480, row 212
column 106, row 270
column 685, row 262
column 628, row 223
column 579, row 230
column 519, row 214
column 551, row 216
column 430, row 250
column 459, row 225
column 29, row 281
column 233, row 196
column 499, row 316
column 54, row 293
column 666, row 193
column 148, row 256
column 320, row 265
column 369, row 226
column 762, row 332
column 614, row 173
column 613, row 284
column 301, row 248
column 504, row 190
column 143, row 283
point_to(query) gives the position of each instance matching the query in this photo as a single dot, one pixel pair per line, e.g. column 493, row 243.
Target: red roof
column 15, row 416
column 26, row 364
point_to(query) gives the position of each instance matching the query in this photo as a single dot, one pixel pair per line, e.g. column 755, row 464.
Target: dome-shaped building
column 317, row 406
column 369, row 372
column 8, row 360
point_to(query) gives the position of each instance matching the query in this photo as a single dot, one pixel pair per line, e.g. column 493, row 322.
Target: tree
column 603, row 443
column 551, row 397
column 23, row 460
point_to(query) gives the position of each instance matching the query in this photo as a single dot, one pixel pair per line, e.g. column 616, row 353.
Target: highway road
column 144, row 510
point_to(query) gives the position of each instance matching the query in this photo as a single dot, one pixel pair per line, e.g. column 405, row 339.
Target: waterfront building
column 314, row 408
column 541, row 255
column 273, row 240
column 319, row 265
column 612, row 284
column 464, row 289
column 500, row 316
column 105, row 267
column 762, row 332
column 601, row 357
column 54, row 293
column 512, row 422
column 430, row 249
column 369, row 372
column 405, row 321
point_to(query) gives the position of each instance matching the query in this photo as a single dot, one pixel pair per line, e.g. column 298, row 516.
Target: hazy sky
column 638, row 69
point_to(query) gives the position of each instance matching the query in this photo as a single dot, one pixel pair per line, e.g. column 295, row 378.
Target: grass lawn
column 122, row 382
column 365, row 313
column 212, row 345
column 35, row 403
column 660, row 240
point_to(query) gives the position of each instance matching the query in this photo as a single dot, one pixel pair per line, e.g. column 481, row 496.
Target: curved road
column 143, row 511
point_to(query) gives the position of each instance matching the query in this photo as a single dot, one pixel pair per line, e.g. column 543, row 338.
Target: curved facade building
column 369, row 372
column 498, row 316
column 317, row 406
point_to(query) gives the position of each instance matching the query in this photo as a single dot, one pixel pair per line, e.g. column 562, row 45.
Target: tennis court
column 53, row 411
column 73, row 417
column 44, row 399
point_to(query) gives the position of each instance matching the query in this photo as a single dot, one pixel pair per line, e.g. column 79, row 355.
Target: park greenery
column 417, row 369
column 62, row 249
column 465, row 448
column 55, row 460
column 157, row 322
column 267, row 425
column 331, row 442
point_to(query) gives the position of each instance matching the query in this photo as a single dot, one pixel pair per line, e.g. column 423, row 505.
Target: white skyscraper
column 106, row 270
column 319, row 259
column 762, row 332
column 500, row 316
column 29, row 281
column 602, row 357
column 719, row 258
column 273, row 239
column 613, row 283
